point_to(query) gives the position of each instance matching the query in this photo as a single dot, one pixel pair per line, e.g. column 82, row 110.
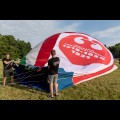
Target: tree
column 16, row 48
column 105, row 45
column 24, row 48
column 115, row 50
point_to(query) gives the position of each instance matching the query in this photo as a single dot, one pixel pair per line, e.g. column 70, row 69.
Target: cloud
column 109, row 36
column 36, row 31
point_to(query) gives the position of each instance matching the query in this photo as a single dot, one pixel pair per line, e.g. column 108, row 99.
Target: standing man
column 119, row 62
column 53, row 65
column 7, row 70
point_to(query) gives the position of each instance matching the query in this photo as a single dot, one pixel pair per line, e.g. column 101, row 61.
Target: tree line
column 16, row 48
column 115, row 50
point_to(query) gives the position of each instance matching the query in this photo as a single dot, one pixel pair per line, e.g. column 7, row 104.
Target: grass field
column 106, row 87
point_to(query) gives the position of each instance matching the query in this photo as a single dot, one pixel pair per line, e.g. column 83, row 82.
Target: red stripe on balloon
column 82, row 78
column 44, row 52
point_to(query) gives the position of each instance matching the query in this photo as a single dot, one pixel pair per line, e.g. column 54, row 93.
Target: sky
column 35, row 31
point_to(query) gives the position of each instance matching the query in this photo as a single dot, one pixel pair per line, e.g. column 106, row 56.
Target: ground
column 106, row 87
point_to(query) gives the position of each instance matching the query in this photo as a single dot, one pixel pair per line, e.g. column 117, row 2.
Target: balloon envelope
column 82, row 57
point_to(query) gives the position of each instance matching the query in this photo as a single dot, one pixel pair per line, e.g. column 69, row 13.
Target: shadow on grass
column 27, row 87
column 32, row 87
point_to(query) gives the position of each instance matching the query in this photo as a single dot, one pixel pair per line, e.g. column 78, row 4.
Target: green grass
column 106, row 87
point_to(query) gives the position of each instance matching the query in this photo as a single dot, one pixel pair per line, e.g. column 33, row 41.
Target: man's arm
column 48, row 67
column 7, row 62
column 48, row 64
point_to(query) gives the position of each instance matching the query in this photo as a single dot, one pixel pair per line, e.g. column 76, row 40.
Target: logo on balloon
column 80, row 50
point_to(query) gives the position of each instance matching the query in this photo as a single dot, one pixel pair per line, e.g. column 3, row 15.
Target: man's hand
column 12, row 61
column 39, row 70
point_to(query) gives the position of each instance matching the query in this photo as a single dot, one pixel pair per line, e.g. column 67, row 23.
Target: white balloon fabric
column 79, row 53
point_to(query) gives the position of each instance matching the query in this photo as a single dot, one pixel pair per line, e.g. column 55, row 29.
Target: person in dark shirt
column 7, row 70
column 53, row 65
column 119, row 62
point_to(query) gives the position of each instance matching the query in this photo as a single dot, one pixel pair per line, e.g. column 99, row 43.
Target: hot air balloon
column 82, row 58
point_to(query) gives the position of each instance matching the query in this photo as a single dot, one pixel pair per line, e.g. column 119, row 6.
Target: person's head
column 7, row 56
column 53, row 53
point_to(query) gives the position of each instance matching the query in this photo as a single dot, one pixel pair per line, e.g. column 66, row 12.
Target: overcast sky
column 34, row 31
